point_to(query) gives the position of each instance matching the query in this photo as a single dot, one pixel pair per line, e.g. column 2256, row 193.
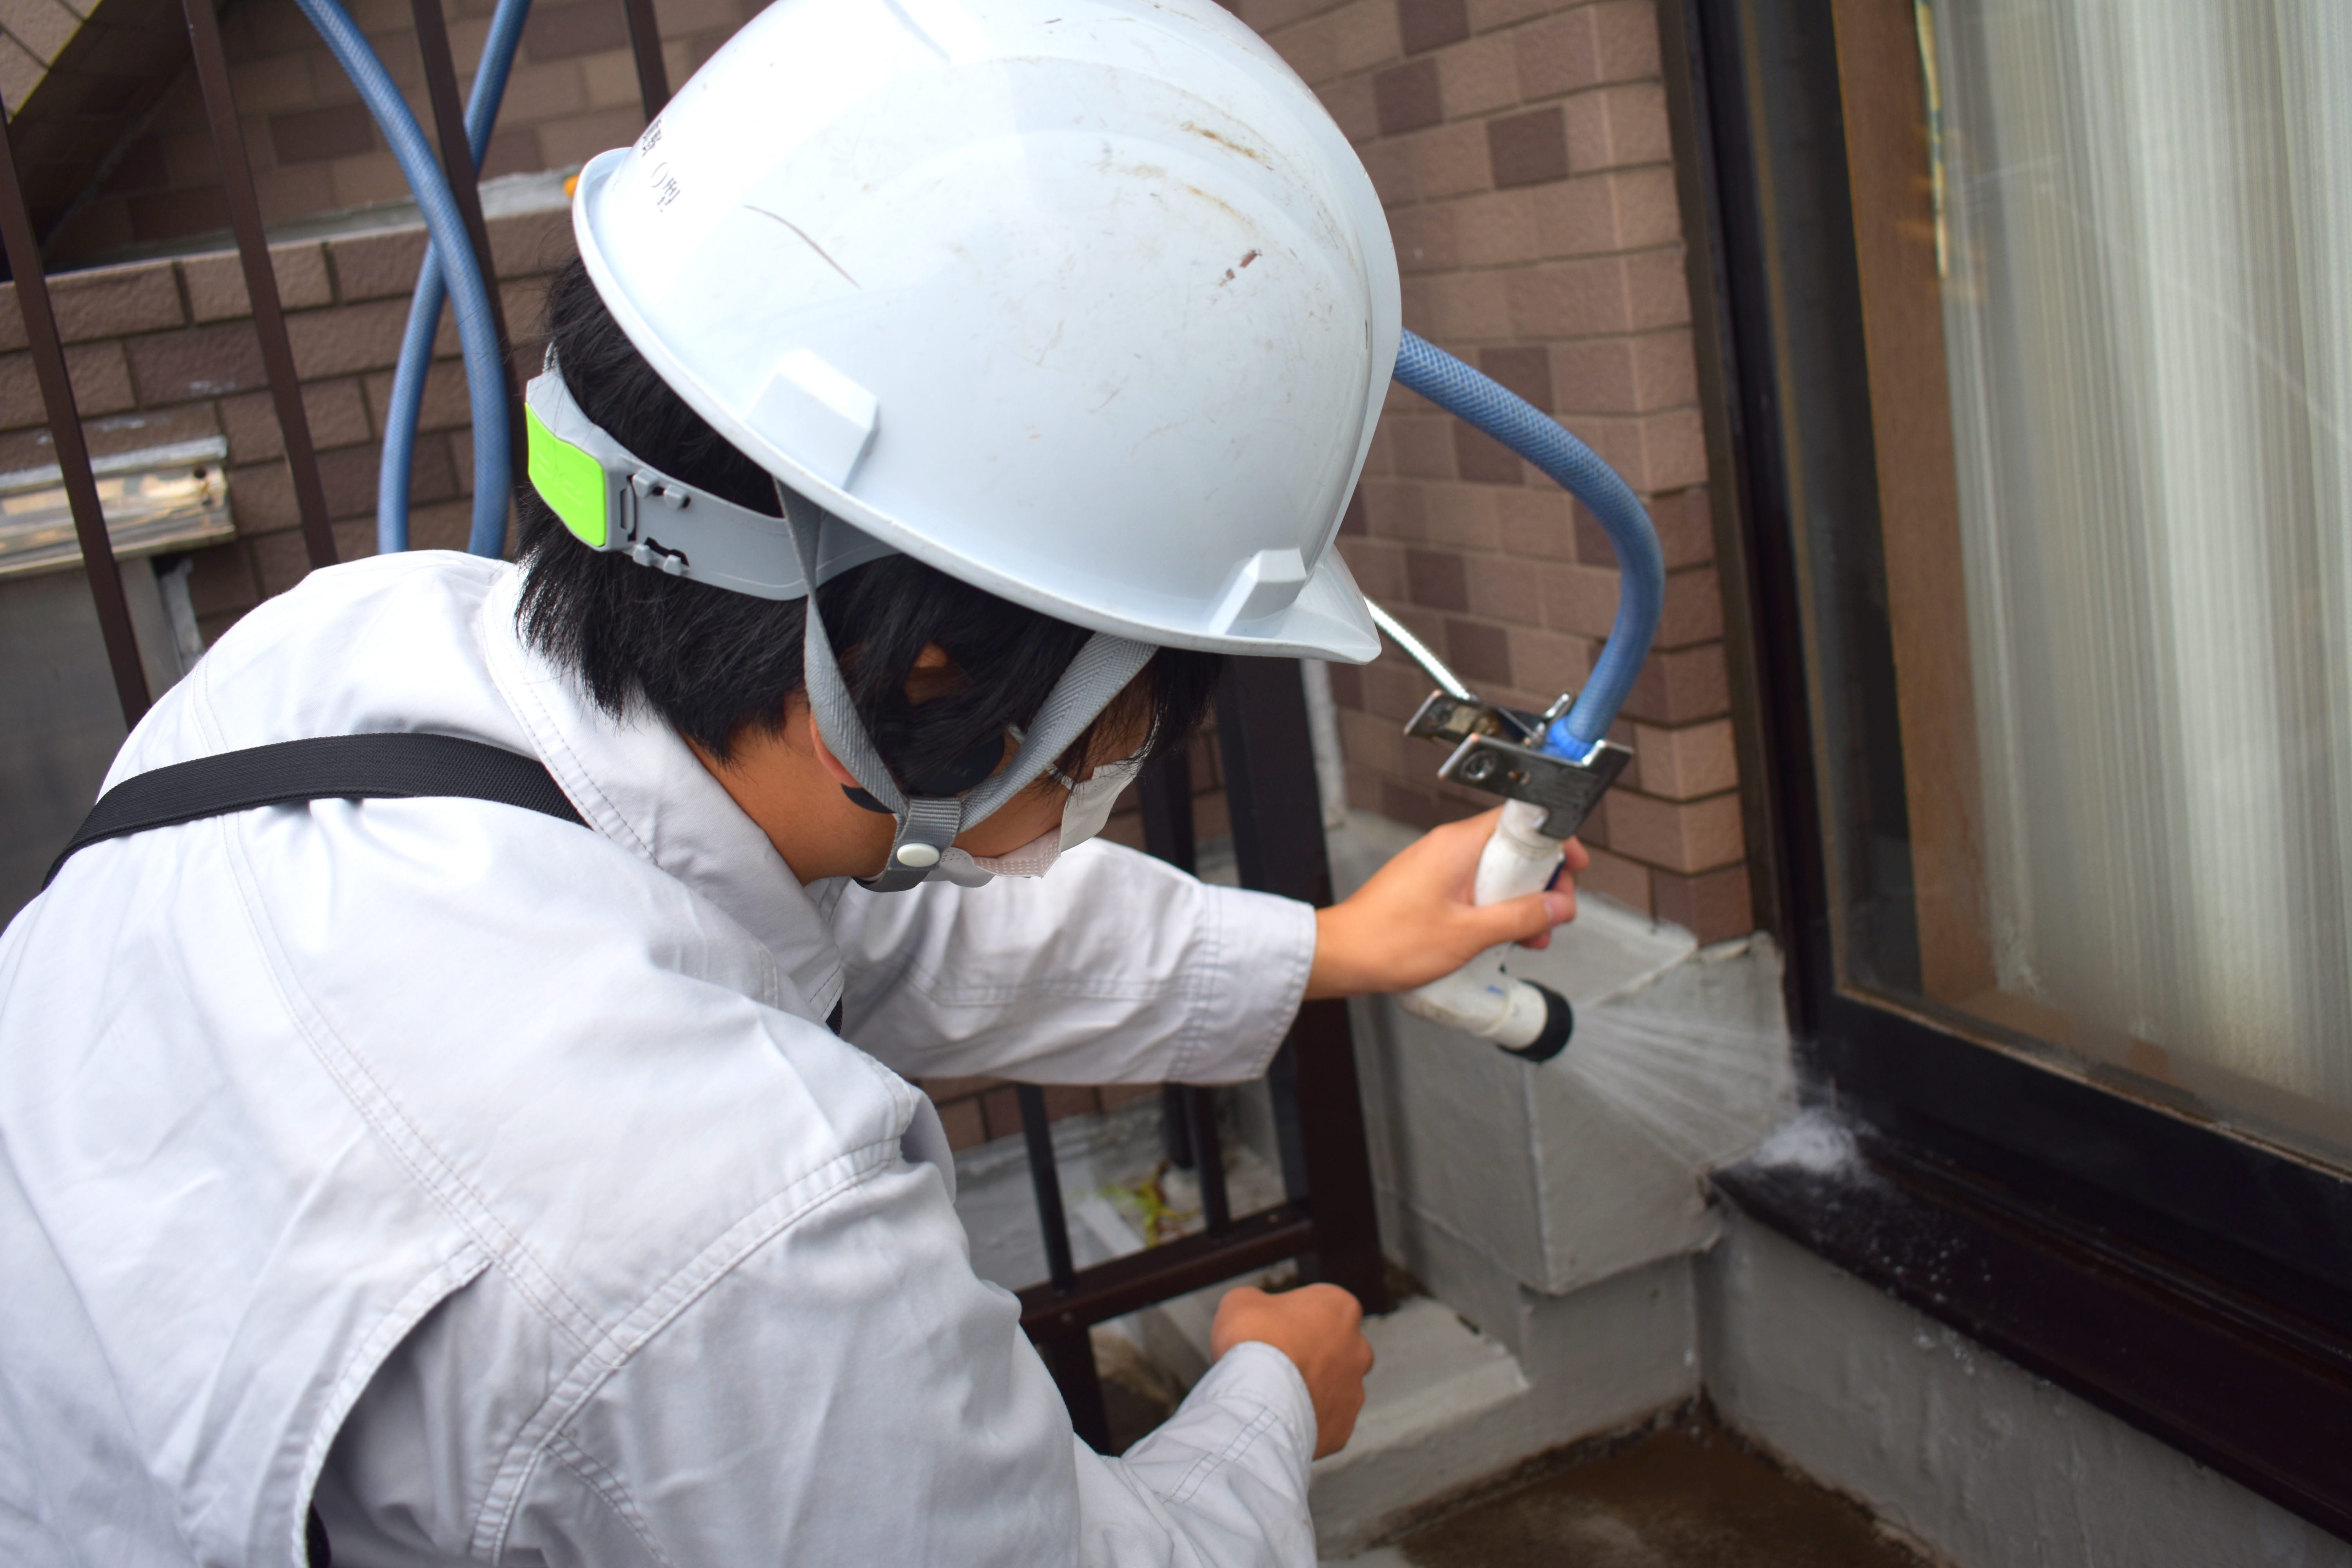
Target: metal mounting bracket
column 1492, row 757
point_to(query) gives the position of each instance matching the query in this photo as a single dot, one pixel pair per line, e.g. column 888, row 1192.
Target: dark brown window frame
column 2194, row 1283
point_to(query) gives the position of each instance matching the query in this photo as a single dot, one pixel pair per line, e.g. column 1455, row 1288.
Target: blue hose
column 424, row 310
column 1641, row 566
column 485, row 376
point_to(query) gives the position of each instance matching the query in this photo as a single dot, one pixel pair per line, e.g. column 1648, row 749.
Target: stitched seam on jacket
column 602, row 1349
column 453, row 1274
column 607, row 1486
column 1208, row 1464
column 1302, row 970
column 660, row 1307
column 934, row 987
column 1198, row 983
column 407, row 1143
column 1302, row 967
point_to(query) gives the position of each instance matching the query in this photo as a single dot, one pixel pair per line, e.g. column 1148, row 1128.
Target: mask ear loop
column 1101, row 670
column 927, row 824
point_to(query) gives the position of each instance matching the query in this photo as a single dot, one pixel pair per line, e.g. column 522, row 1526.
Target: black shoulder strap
column 393, row 765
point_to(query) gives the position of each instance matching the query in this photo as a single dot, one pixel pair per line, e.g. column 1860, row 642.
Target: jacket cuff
column 1254, row 1372
column 1254, row 979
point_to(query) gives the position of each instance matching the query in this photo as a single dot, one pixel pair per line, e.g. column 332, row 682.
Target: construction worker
column 512, row 1158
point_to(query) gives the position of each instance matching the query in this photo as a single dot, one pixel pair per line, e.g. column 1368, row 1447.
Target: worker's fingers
column 1524, row 919
column 1414, row 921
column 1447, row 855
column 1573, row 858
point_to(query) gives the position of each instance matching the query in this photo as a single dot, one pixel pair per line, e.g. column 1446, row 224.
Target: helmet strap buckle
column 925, row 832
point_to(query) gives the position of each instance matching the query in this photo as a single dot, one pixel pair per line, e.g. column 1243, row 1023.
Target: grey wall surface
column 59, row 711
column 1968, row 1454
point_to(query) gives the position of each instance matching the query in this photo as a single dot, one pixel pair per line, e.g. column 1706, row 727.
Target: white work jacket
column 497, row 1181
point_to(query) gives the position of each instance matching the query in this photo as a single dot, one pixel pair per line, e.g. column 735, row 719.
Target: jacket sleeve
column 1113, row 967
column 851, row 1392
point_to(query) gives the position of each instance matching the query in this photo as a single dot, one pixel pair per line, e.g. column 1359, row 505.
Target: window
column 2033, row 322
column 2126, row 636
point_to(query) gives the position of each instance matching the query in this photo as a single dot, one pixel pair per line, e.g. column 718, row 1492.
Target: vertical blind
column 2144, row 219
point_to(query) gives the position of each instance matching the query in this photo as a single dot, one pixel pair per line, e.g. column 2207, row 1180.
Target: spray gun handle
column 1548, row 797
column 1482, row 997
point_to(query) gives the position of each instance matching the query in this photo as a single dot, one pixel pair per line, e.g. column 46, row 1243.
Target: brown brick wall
column 1521, row 149
column 33, row 33
column 573, row 93
column 165, row 350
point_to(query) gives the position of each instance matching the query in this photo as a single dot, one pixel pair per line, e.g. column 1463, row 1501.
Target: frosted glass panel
column 2145, row 231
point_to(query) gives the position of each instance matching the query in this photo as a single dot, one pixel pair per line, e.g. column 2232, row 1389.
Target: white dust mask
column 1083, row 815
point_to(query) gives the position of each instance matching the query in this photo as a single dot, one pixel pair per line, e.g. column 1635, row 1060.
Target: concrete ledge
column 1439, row 1394
column 1447, row 1406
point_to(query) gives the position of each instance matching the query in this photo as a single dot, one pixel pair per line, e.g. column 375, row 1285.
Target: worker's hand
column 1319, row 1328
column 1413, row 921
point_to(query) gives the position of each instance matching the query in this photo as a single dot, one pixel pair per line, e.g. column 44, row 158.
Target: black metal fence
column 1326, row 1219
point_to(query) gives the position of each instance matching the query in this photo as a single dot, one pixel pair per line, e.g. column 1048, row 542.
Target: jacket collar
column 637, row 782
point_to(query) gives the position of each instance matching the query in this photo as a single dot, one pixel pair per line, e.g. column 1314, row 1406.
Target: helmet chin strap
column 929, row 824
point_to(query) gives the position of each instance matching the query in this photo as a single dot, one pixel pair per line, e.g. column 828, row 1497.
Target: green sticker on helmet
column 570, row 480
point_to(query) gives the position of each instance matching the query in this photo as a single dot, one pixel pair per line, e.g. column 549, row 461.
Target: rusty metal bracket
column 1445, row 717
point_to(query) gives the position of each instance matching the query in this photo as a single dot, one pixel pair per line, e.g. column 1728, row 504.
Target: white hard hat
column 1087, row 303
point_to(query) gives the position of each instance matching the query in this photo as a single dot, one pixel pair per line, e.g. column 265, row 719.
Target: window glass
column 2107, row 287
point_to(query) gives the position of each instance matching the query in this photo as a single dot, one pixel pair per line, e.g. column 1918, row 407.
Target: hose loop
column 1517, row 424
column 485, row 376
column 400, row 419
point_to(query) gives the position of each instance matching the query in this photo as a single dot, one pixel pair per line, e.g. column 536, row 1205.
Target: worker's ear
column 825, row 757
column 933, row 674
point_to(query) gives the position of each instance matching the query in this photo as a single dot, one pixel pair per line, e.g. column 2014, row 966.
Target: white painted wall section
column 1966, row 1452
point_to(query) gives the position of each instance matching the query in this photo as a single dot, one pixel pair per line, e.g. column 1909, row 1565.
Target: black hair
column 717, row 664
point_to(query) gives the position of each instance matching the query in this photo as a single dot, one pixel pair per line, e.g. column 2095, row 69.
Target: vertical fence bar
column 1045, row 1177
column 1069, row 1353
column 1282, row 1093
column 645, row 43
column 260, row 279
column 1070, row 1356
column 465, row 186
column 65, row 430
column 1209, row 1160
column 1278, row 847
column 1176, row 1125
column 1167, row 791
